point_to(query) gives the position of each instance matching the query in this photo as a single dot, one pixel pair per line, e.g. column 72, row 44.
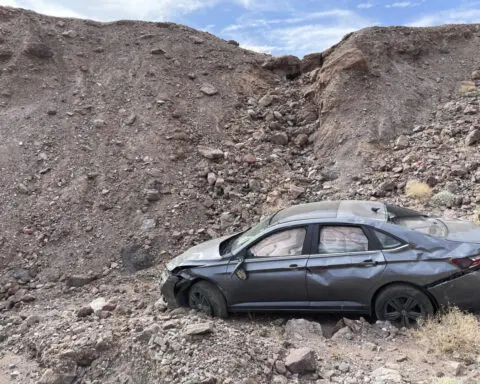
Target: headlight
column 164, row 277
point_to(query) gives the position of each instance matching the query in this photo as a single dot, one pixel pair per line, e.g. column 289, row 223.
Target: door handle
column 293, row 266
column 369, row 263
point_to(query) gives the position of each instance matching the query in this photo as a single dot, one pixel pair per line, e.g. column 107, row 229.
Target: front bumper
column 462, row 292
column 168, row 290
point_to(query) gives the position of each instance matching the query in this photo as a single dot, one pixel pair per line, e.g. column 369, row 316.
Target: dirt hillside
column 123, row 143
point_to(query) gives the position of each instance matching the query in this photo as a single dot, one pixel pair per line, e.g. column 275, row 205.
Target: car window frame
column 316, row 239
column 305, row 249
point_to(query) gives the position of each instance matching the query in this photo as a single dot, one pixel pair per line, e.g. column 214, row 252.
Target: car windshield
column 249, row 234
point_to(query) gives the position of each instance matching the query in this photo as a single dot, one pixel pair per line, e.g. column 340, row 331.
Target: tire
column 206, row 298
column 403, row 305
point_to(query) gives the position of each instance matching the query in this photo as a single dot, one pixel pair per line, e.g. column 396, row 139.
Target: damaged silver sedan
column 334, row 256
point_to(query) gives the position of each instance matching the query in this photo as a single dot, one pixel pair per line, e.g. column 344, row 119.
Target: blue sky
column 271, row 26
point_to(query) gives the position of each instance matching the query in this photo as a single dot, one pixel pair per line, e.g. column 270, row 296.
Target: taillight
column 467, row 262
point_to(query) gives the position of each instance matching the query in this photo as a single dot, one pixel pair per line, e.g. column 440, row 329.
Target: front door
column 343, row 270
column 273, row 273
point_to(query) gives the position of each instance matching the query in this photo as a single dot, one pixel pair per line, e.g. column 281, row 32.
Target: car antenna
column 376, row 209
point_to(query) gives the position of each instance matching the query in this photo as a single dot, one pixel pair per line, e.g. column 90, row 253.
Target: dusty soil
column 123, row 143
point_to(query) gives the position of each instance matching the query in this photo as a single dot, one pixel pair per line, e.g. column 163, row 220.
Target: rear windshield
column 428, row 225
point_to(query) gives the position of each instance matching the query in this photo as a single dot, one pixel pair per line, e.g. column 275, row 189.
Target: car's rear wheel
column 403, row 305
column 206, row 298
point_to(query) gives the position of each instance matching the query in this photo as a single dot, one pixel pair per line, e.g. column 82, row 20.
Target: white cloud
column 52, row 9
column 453, row 16
column 365, row 5
column 401, row 4
column 259, row 48
column 265, row 5
column 9, row 3
column 297, row 34
column 148, row 9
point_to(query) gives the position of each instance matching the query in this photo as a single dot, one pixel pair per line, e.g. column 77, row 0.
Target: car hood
column 207, row 251
column 462, row 230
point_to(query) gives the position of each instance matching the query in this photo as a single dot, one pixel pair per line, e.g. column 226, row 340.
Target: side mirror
column 238, row 270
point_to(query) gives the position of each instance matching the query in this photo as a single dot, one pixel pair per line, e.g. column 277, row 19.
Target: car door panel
column 343, row 281
column 271, row 282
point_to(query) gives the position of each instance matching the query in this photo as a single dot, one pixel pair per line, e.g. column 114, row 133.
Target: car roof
column 371, row 210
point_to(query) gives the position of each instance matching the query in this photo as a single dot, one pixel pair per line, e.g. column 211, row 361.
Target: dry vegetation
column 418, row 190
column 452, row 332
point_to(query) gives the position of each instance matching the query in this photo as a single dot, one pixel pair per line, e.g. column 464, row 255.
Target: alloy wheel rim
column 201, row 303
column 403, row 310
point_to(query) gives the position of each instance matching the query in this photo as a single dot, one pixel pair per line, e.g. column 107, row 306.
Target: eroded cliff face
column 122, row 144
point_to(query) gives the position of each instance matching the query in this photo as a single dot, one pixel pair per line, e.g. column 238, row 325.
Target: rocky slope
column 123, row 143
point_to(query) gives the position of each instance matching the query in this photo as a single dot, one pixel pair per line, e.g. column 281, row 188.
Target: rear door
column 344, row 267
column 273, row 273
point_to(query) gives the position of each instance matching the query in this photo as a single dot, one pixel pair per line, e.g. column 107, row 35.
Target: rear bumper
column 462, row 292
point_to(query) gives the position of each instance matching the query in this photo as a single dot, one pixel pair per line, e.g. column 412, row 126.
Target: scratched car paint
column 334, row 256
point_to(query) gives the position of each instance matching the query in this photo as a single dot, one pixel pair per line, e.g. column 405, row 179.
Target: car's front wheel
column 206, row 298
column 403, row 305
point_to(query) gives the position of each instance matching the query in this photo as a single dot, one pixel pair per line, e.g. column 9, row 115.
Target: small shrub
column 418, row 190
column 451, row 332
column 444, row 198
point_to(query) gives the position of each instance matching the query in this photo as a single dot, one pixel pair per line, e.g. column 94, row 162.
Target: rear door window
column 386, row 241
column 342, row 239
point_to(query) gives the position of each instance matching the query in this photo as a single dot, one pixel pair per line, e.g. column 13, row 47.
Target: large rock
column 311, row 62
column 98, row 304
column 50, row 377
column 286, row 66
column 280, row 138
column 352, row 59
column 82, row 356
column 386, row 376
column 473, row 137
column 301, row 329
column 210, row 153
column 135, row 258
column 79, row 280
column 209, row 90
column 198, row 329
column 301, row 360
column 458, row 170
column 402, row 142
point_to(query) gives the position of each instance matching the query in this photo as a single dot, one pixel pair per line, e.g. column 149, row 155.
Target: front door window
column 284, row 243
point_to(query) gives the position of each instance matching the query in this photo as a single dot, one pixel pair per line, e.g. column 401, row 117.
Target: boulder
column 473, row 137
column 51, row 377
column 198, row 329
column 135, row 257
column 287, row 66
column 79, row 280
column 352, row 59
column 208, row 89
column 280, row 138
column 301, row 360
column 402, row 142
column 210, row 153
column 311, row 62
column 386, row 376
column 301, row 329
